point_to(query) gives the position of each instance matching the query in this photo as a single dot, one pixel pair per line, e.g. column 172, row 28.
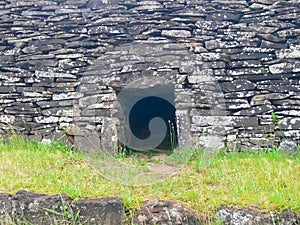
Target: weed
column 69, row 217
column 275, row 118
column 173, row 136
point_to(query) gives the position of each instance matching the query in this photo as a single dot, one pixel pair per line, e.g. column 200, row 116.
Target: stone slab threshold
column 33, row 208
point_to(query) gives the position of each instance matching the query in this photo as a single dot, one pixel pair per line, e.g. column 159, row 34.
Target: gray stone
column 69, row 56
column 245, row 63
column 43, row 209
column 218, row 43
column 100, row 211
column 33, row 207
column 7, row 89
column 287, row 102
column 6, row 206
column 9, row 119
column 247, row 71
column 205, row 75
column 271, row 38
column 259, row 28
column 211, row 120
column 224, row 16
column 269, row 44
column 105, row 29
column 287, row 123
column 289, row 146
column 265, row 98
column 66, row 96
column 109, row 136
column 252, row 55
column 284, row 67
column 91, row 113
column 94, row 99
column 36, row 13
column 53, row 104
column 43, row 119
column 212, row 25
column 256, row 110
column 42, row 74
column 76, row 130
column 184, row 134
column 176, row 33
column 165, row 212
column 244, row 121
column 43, row 48
column 210, row 56
column 21, row 109
column 6, row 59
column 265, row 2
column 36, row 57
column 102, row 3
column 295, row 112
column 279, row 88
column 262, row 142
column 238, row 85
column 235, row 216
column 88, row 143
column 237, row 104
column 213, row 142
column 291, row 53
column 69, row 11
column 148, row 6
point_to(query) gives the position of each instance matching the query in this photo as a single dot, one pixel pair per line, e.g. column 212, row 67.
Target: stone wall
column 62, row 62
column 33, row 208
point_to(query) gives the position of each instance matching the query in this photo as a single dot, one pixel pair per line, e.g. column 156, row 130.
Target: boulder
column 100, row 211
column 162, row 212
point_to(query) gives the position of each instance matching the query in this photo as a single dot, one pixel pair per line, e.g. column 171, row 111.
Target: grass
column 266, row 180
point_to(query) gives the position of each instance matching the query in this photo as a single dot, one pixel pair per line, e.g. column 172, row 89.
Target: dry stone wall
column 65, row 60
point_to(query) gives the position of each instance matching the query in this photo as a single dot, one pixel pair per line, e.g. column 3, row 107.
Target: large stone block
column 26, row 207
column 100, row 211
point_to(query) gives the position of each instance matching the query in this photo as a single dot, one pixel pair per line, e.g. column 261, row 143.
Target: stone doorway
column 149, row 120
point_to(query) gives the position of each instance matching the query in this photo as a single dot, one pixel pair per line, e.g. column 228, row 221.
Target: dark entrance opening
column 152, row 102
